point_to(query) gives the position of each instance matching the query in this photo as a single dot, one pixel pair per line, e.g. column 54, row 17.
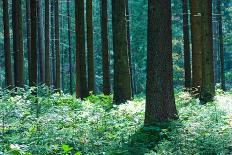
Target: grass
column 61, row 124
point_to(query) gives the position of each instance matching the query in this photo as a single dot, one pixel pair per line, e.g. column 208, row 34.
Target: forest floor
column 54, row 123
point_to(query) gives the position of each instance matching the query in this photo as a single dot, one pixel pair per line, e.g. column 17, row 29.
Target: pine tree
column 47, row 43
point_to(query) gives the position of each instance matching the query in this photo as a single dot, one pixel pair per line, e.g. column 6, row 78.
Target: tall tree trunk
column 195, row 7
column 28, row 22
column 208, row 88
column 81, row 89
column 33, row 57
column 122, row 76
column 47, row 43
column 41, row 41
column 69, row 49
column 8, row 72
column 105, row 48
column 222, row 59
column 129, row 44
column 89, row 23
column 57, row 45
column 53, row 59
column 18, row 43
column 160, row 102
column 62, row 50
column 187, row 63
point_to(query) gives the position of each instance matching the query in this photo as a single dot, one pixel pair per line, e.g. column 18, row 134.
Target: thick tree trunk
column 81, row 88
column 122, row 76
column 196, row 46
column 187, row 62
column 47, row 43
column 33, row 58
column 69, row 48
column 41, row 43
column 160, row 102
column 208, row 88
column 57, row 45
column 89, row 23
column 8, row 71
column 18, row 43
column 105, row 48
column 222, row 59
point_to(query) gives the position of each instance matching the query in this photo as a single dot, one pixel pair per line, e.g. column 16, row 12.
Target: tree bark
column 47, row 43
column 57, row 45
column 195, row 7
column 105, row 48
column 208, row 88
column 187, row 62
column 160, row 102
column 18, row 43
column 122, row 76
column 89, row 24
column 81, row 80
column 53, row 59
column 8, row 71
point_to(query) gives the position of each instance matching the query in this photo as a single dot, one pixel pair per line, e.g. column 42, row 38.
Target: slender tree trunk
column 53, row 59
column 160, row 102
column 105, row 48
column 57, row 45
column 129, row 45
column 208, row 88
column 222, row 59
column 69, row 48
column 28, row 22
column 196, row 45
column 33, row 57
column 122, row 76
column 187, row 63
column 8, row 71
column 47, row 43
column 81, row 88
column 89, row 23
column 18, row 43
column 62, row 50
column 41, row 42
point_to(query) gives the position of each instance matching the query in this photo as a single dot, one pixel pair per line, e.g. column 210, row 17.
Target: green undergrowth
column 54, row 123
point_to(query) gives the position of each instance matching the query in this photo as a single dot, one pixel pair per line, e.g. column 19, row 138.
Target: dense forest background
column 138, row 30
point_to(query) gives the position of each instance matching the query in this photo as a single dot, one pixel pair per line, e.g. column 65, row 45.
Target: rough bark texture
column 89, row 24
column 41, row 43
column 57, row 45
column 69, row 49
column 47, row 43
column 222, row 59
column 195, row 6
column 18, row 43
column 208, row 89
column 187, row 62
column 33, row 58
column 105, row 48
column 122, row 76
column 81, row 88
column 8, row 71
column 160, row 102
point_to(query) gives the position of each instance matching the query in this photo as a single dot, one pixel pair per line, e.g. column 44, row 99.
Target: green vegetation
column 61, row 124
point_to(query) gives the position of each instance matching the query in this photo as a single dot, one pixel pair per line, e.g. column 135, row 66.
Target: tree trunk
column 47, row 43
column 18, row 43
column 196, row 46
column 53, row 59
column 33, row 58
column 28, row 22
column 105, row 48
column 160, row 102
column 8, row 72
column 122, row 76
column 69, row 48
column 57, row 45
column 62, row 50
column 208, row 88
column 41, row 44
column 81, row 88
column 222, row 59
column 89, row 23
column 187, row 63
